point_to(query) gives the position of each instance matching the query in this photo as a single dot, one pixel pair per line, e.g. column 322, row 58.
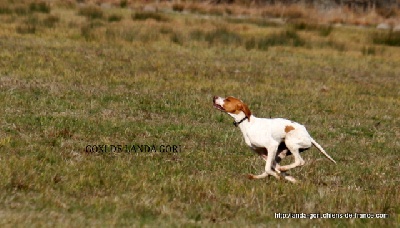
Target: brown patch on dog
column 234, row 105
column 289, row 128
column 250, row 176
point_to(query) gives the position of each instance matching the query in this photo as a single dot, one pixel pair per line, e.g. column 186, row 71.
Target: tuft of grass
column 39, row 6
column 222, row 35
column 21, row 10
column 322, row 30
column 261, row 22
column 91, row 12
column 216, row 11
column 368, row 50
column 26, row 29
column 5, row 8
column 123, row 3
column 179, row 7
column 114, row 18
column 89, row 30
column 289, row 37
column 325, row 30
column 29, row 25
column 386, row 38
column 177, row 37
column 50, row 21
column 149, row 15
column 289, row 12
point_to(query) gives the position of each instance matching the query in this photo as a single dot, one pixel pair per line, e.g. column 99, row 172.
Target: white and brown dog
column 272, row 139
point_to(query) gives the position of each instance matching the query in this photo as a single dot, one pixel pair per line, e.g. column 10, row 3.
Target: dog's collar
column 237, row 123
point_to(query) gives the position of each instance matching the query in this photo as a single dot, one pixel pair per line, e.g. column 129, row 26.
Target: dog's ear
column 243, row 107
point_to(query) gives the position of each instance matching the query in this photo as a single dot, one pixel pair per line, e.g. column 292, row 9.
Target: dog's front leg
column 264, row 174
column 275, row 164
column 272, row 149
column 263, row 152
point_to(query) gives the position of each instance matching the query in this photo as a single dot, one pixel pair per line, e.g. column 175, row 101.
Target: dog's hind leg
column 298, row 160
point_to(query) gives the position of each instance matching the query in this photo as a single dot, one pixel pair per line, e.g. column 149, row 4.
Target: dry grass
column 84, row 81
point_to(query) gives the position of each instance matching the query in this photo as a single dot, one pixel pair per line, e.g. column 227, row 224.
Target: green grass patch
column 386, row 38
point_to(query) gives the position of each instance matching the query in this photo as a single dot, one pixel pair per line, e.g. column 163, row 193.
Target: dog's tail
column 322, row 150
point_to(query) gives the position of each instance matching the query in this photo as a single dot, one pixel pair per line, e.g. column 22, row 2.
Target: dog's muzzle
column 217, row 106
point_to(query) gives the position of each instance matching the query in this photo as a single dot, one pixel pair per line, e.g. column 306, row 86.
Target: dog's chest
column 262, row 132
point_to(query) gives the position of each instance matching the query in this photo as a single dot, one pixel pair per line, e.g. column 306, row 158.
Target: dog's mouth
column 219, row 107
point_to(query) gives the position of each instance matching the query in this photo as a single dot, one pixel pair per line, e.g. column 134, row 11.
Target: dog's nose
column 215, row 98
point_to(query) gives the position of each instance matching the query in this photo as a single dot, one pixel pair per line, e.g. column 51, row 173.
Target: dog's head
column 232, row 106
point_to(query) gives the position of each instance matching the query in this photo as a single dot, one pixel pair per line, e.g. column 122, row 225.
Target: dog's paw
column 250, row 176
column 290, row 179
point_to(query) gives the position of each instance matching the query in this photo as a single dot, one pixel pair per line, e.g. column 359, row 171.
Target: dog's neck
column 241, row 120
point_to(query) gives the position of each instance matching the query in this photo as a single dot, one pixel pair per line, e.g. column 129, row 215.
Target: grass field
column 72, row 77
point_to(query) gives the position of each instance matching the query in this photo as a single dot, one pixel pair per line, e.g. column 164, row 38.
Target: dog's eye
column 227, row 99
